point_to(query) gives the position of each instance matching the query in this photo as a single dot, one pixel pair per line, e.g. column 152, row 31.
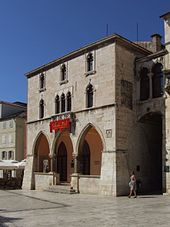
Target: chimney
column 156, row 42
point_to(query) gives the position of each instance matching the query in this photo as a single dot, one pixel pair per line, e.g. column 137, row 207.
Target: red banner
column 56, row 125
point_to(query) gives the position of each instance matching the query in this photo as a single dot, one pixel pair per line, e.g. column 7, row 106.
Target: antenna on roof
column 137, row 33
column 107, row 29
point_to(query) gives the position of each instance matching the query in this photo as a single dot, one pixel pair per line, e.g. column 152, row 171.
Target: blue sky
column 34, row 32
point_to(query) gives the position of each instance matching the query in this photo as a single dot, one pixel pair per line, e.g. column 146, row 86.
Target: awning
column 12, row 165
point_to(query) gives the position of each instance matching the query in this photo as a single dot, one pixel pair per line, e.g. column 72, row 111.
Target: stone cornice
column 75, row 112
column 152, row 56
column 98, row 44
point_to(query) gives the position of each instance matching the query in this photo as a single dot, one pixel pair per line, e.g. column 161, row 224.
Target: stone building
column 166, row 139
column 98, row 113
column 12, row 130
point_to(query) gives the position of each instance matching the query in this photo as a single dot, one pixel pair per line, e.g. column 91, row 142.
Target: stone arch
column 41, row 152
column 84, row 130
column 155, row 111
column 89, row 151
column 36, row 138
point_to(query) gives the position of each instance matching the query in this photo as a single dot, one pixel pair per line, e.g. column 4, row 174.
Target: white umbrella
column 11, row 165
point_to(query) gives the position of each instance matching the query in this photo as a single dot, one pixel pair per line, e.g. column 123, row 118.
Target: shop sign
column 56, row 125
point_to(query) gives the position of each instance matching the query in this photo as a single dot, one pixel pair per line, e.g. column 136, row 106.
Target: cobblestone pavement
column 38, row 209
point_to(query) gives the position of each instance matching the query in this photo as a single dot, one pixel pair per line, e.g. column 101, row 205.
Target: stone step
column 61, row 189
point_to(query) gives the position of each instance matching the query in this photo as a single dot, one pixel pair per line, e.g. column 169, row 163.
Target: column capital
column 51, row 155
column 74, row 155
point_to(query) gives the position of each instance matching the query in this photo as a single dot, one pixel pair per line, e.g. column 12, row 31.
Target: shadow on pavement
column 4, row 221
column 147, row 197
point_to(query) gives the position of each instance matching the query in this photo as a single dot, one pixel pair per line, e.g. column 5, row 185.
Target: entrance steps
column 61, row 188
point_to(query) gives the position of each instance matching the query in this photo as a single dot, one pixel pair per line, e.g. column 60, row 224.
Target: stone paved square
column 39, row 208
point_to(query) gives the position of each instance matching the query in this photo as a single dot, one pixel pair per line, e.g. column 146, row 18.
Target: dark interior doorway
column 85, row 159
column 62, row 162
column 151, row 169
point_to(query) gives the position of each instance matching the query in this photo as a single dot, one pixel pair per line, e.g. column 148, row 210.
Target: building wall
column 77, row 83
column 167, row 41
column 7, row 137
column 12, row 138
column 134, row 145
column 167, row 102
column 125, row 114
column 20, row 138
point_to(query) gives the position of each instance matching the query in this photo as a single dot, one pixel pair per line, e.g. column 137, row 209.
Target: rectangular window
column 3, row 139
column 10, row 155
column 4, row 125
column 63, row 73
column 11, row 138
column 42, row 82
column 90, row 60
column 4, row 155
column 11, row 124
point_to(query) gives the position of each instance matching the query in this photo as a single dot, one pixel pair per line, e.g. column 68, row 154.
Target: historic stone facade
column 98, row 113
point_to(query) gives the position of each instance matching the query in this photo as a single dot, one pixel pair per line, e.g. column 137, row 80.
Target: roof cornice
column 13, row 104
column 165, row 16
column 102, row 42
column 153, row 56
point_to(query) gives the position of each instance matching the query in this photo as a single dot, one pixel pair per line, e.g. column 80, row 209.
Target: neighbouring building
column 12, row 131
column 98, row 113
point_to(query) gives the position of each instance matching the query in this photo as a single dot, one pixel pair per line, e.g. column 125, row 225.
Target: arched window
column 11, row 155
column 63, row 72
column 68, row 101
column 41, row 108
column 63, row 102
column 89, row 95
column 89, row 62
column 4, row 155
column 157, row 80
column 57, row 104
column 42, row 81
column 144, row 84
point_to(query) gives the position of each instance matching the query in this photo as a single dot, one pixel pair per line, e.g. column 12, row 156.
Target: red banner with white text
column 56, row 125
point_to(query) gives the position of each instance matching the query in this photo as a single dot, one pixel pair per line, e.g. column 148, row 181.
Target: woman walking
column 132, row 185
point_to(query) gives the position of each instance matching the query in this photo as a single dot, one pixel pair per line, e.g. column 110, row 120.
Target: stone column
column 150, row 85
column 51, row 162
column 75, row 163
column 75, row 176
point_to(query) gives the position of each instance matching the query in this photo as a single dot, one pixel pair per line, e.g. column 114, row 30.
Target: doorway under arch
column 90, row 152
column 85, row 159
column 63, row 157
column 62, row 162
